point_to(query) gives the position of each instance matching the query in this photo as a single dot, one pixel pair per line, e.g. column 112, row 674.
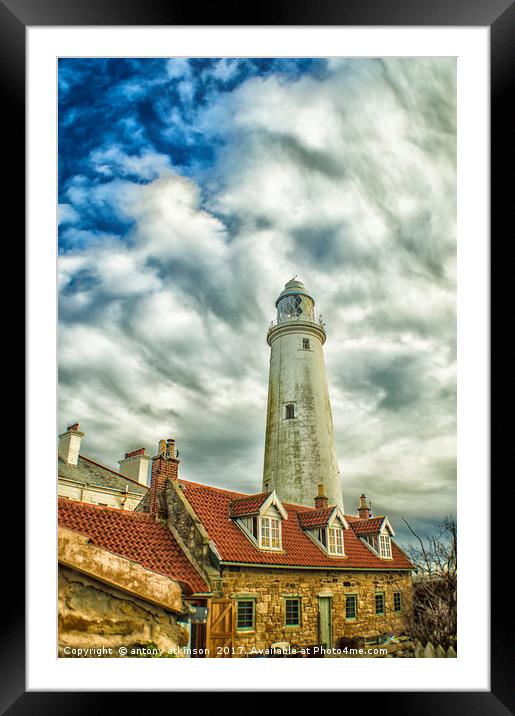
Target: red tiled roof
column 248, row 505
column 315, row 518
column 134, row 535
column 212, row 507
column 369, row 526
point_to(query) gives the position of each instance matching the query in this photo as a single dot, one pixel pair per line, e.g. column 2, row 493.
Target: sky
column 190, row 191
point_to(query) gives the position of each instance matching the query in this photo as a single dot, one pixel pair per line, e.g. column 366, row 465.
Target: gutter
column 321, row 568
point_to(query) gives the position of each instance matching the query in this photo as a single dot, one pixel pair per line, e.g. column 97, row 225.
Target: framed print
column 257, row 256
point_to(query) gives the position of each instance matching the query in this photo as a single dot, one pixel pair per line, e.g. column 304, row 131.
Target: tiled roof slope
column 92, row 473
column 248, row 505
column 212, row 507
column 134, row 535
column 367, row 527
column 315, row 518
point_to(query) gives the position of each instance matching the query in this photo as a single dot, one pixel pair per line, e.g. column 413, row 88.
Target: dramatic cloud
column 191, row 191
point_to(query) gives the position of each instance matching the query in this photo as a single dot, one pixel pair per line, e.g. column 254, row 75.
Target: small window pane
column 380, row 603
column 292, row 612
column 245, row 614
column 351, row 606
column 305, row 343
column 397, row 602
column 290, row 412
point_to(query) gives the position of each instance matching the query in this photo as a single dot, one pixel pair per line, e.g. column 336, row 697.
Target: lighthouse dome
column 294, row 287
column 295, row 302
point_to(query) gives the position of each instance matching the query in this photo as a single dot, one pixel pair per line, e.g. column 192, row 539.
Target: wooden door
column 220, row 628
column 325, row 622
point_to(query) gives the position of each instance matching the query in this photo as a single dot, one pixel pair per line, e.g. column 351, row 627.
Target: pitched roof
column 369, row 526
column 92, row 473
column 212, row 506
column 248, row 505
column 315, row 518
column 135, row 535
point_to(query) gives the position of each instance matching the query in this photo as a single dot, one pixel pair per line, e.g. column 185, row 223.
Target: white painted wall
column 97, row 495
column 299, row 453
column 69, row 447
column 136, row 468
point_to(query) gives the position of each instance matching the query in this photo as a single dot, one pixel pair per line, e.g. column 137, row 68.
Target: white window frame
column 385, row 546
column 267, row 525
column 335, row 540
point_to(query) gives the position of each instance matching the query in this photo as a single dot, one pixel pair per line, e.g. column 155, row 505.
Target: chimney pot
column 321, row 501
column 165, row 466
column 363, row 509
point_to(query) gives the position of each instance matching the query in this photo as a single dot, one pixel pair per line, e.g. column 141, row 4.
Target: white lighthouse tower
column 300, row 452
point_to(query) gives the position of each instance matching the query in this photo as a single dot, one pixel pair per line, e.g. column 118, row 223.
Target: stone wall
column 189, row 532
column 93, row 615
column 269, row 587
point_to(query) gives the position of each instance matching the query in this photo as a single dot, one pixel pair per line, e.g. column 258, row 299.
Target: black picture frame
column 15, row 17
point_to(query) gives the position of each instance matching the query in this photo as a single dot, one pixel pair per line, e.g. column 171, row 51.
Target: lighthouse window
column 305, row 344
column 290, row 412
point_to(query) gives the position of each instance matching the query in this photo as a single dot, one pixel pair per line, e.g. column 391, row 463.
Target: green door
column 325, row 622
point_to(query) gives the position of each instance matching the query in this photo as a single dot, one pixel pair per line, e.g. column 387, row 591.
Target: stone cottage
column 281, row 573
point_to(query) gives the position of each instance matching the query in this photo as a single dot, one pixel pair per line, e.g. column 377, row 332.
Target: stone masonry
column 270, row 587
column 93, row 615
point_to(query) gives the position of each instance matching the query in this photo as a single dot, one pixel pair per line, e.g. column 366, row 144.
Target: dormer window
column 260, row 518
column 326, row 527
column 335, row 540
column 385, row 546
column 376, row 533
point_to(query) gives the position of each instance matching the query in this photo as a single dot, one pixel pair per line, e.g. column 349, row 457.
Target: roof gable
column 372, row 525
column 322, row 517
column 256, row 504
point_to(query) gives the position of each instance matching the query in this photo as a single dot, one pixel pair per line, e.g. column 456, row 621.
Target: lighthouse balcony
column 301, row 324
column 297, row 319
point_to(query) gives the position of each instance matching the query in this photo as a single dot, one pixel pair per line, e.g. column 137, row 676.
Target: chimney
column 69, row 444
column 165, row 465
column 321, row 501
column 363, row 509
column 135, row 466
